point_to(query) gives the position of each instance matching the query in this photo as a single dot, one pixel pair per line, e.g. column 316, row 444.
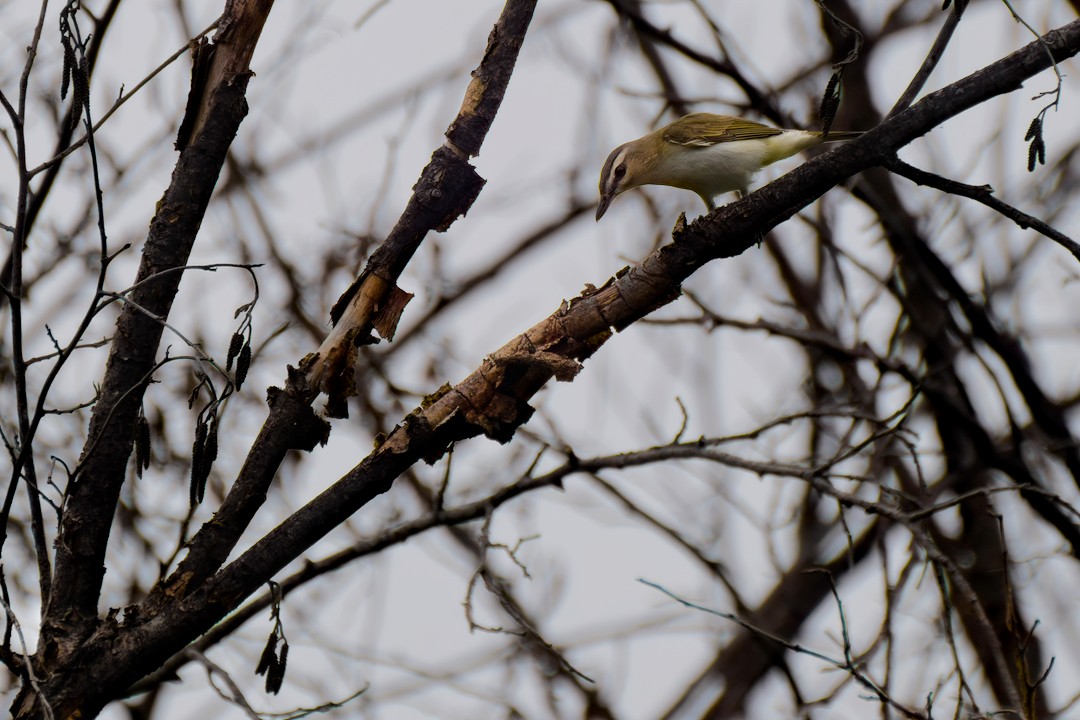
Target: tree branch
column 446, row 188
column 493, row 399
column 72, row 611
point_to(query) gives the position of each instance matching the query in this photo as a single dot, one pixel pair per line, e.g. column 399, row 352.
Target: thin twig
column 932, row 58
column 28, row 666
column 983, row 195
column 120, row 100
column 846, row 665
column 235, row 696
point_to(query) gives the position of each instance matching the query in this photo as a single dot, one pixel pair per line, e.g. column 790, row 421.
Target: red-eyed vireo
column 709, row 154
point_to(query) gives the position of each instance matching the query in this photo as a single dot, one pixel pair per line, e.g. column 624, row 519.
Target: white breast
column 728, row 166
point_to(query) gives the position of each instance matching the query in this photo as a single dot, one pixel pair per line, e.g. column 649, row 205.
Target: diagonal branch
column 932, row 58
column 446, row 189
column 493, row 399
column 93, row 493
column 984, row 195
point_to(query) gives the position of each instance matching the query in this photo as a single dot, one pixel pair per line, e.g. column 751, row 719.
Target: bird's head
column 627, row 167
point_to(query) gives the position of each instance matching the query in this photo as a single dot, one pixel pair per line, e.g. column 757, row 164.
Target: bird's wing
column 704, row 129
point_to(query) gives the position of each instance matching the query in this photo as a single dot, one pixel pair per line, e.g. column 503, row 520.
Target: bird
column 709, row 154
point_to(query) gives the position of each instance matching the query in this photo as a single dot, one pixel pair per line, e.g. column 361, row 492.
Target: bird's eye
column 620, row 171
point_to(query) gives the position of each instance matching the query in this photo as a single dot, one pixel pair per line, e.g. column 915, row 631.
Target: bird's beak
column 605, row 200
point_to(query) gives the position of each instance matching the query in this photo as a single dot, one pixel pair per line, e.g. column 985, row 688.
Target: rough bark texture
column 493, row 399
column 84, row 661
column 446, row 189
column 71, row 618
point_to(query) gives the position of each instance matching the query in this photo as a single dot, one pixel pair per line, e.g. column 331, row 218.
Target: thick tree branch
column 89, row 507
column 493, row 399
column 446, row 189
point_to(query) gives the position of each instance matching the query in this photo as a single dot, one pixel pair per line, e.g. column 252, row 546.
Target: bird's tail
column 839, row 135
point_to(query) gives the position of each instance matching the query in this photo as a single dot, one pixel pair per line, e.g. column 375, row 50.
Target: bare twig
column 983, row 194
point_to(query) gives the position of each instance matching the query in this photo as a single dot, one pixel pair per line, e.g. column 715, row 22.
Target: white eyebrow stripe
column 612, row 179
